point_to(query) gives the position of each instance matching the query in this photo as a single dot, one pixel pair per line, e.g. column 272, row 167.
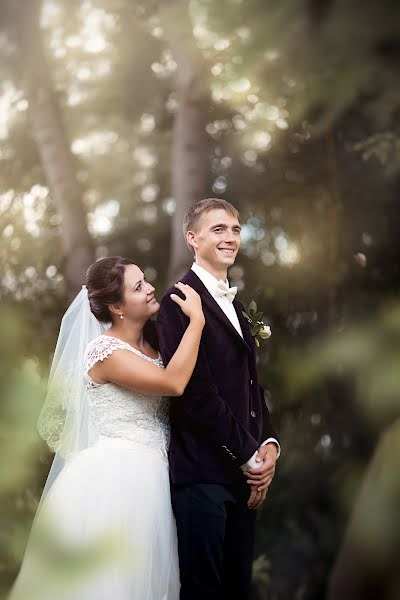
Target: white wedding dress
column 111, row 500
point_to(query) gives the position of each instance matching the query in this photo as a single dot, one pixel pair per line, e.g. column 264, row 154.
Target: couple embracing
column 171, row 484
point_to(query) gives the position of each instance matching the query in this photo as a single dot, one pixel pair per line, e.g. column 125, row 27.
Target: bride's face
column 139, row 302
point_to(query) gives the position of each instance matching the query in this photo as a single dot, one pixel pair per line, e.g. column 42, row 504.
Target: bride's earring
column 121, row 316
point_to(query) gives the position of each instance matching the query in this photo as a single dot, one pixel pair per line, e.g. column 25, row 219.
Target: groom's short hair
column 203, row 206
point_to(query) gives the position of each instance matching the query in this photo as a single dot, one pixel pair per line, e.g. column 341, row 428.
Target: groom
column 223, row 448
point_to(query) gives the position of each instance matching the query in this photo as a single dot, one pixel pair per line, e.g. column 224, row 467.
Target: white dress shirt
column 226, row 305
column 211, row 284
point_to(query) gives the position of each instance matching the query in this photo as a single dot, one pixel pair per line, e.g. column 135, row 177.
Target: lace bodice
column 117, row 412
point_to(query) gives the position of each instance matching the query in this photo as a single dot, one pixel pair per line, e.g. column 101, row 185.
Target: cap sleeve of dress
column 101, row 348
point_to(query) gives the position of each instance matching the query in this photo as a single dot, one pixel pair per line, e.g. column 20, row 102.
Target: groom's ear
column 191, row 240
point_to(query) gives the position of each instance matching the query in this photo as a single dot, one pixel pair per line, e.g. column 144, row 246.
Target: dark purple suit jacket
column 222, row 418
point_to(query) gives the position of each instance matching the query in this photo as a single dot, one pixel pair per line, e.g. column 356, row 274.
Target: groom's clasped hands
column 260, row 478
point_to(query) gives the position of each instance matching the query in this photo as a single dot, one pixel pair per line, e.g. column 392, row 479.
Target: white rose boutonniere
column 257, row 327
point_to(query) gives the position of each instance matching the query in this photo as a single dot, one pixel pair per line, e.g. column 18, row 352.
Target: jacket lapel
column 243, row 323
column 245, row 329
column 191, row 279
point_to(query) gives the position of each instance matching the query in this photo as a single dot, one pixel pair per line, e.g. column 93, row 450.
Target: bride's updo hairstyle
column 105, row 285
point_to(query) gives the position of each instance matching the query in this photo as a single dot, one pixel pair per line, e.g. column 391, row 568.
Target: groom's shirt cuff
column 252, row 463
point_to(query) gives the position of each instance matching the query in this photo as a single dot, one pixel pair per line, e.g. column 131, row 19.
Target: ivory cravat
column 223, row 289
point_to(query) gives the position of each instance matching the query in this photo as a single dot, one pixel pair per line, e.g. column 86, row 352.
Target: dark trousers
column 215, row 541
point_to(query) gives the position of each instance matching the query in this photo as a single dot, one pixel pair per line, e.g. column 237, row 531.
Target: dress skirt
column 105, row 530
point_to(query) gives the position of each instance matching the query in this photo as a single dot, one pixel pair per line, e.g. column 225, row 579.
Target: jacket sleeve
column 201, row 403
column 267, row 429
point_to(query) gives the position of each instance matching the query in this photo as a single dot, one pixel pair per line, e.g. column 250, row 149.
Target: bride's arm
column 133, row 372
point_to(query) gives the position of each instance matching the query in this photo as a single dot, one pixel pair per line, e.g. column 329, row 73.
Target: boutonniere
column 257, row 327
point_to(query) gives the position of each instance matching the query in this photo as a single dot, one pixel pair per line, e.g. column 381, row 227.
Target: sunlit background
column 115, row 116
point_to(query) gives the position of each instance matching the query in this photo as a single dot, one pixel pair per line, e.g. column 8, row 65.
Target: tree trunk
column 53, row 147
column 190, row 145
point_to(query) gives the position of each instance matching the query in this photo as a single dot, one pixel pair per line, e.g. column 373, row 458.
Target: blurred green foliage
column 360, row 365
column 369, row 353
column 22, row 393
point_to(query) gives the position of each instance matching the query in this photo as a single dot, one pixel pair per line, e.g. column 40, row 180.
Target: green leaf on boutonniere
column 252, row 308
column 258, row 329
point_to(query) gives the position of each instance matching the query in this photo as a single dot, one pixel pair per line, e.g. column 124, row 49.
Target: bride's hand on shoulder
column 190, row 304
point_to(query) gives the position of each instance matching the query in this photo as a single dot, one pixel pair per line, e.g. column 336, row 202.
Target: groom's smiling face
column 216, row 241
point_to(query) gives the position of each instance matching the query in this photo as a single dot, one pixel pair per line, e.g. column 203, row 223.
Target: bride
column 104, row 529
